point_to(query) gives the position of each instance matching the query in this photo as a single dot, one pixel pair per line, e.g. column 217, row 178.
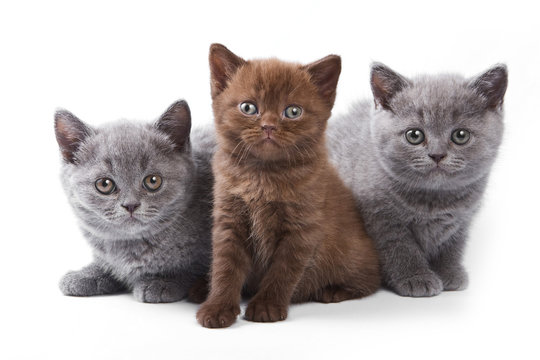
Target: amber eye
column 415, row 136
column 461, row 136
column 293, row 112
column 248, row 108
column 105, row 186
column 152, row 182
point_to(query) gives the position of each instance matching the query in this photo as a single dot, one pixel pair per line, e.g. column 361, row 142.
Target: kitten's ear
column 176, row 123
column 492, row 85
column 70, row 133
column 385, row 83
column 325, row 75
column 223, row 65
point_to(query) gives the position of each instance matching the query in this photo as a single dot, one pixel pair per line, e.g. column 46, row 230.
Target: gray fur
column 418, row 215
column 166, row 246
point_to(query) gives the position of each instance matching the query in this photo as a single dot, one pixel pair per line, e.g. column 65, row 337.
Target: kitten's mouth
column 438, row 169
column 269, row 139
column 132, row 219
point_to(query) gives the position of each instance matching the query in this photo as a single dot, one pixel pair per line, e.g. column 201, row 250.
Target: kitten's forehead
column 437, row 100
column 126, row 146
column 271, row 80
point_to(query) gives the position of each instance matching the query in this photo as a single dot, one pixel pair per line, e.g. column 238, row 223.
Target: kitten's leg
column 405, row 268
column 230, row 264
column 199, row 290
column 288, row 264
column 448, row 263
column 91, row 280
column 161, row 289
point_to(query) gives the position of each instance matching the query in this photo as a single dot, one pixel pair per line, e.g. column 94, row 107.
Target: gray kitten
column 418, row 162
column 142, row 195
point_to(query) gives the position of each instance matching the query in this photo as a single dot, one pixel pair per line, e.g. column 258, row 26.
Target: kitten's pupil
column 415, row 136
column 152, row 182
column 292, row 112
column 105, row 186
column 461, row 136
column 248, row 108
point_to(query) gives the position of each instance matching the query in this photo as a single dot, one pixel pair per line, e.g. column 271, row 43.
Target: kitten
column 418, row 163
column 285, row 226
column 142, row 195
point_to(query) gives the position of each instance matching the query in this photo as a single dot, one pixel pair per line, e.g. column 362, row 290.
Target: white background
column 109, row 60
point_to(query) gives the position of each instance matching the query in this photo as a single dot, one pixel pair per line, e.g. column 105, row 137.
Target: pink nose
column 268, row 128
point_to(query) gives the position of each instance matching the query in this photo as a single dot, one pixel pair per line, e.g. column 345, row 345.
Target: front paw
column 217, row 315
column 158, row 291
column 427, row 284
column 75, row 283
column 265, row 311
column 84, row 283
column 454, row 278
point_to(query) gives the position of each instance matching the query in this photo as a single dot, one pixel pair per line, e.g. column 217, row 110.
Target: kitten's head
column 437, row 132
column 125, row 178
column 271, row 110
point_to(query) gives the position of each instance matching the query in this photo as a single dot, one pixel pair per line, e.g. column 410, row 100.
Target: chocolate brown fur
column 285, row 226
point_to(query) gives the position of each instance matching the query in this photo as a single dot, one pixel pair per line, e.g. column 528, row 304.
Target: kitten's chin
column 439, row 178
column 130, row 225
column 268, row 149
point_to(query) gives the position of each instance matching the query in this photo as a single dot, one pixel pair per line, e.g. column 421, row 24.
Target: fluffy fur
column 418, row 200
column 285, row 226
column 154, row 243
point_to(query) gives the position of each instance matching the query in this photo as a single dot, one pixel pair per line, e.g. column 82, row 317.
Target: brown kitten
column 285, row 226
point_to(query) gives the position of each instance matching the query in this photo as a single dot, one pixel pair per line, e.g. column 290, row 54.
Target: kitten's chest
column 129, row 259
column 431, row 232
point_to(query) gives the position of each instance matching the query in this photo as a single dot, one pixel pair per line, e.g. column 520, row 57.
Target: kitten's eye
column 415, row 136
column 461, row 136
column 293, row 112
column 152, row 182
column 248, row 108
column 105, row 186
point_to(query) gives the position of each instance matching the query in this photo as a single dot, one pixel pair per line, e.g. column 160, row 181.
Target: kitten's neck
column 438, row 200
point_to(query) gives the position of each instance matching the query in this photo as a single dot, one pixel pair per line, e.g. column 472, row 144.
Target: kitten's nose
column 131, row 207
column 437, row 157
column 268, row 130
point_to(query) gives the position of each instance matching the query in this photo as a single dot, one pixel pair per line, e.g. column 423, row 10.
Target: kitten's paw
column 428, row 284
column 217, row 315
column 455, row 278
column 264, row 311
column 158, row 291
column 79, row 283
column 333, row 294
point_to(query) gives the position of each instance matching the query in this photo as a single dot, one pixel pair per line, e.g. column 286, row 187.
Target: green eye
column 152, row 182
column 415, row 136
column 461, row 136
column 105, row 186
column 248, row 108
column 293, row 112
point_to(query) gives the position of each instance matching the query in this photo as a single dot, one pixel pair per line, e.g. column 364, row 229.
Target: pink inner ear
column 223, row 64
column 325, row 75
column 70, row 132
